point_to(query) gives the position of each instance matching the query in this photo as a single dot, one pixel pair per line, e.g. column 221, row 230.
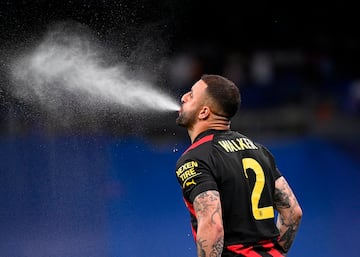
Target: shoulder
column 201, row 143
column 200, row 150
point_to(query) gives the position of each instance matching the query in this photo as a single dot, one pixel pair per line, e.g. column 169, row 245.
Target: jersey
column 244, row 174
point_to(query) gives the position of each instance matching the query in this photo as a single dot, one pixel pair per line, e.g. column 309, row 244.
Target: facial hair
column 186, row 119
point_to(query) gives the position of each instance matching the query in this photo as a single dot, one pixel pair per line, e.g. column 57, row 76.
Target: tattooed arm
column 210, row 231
column 290, row 213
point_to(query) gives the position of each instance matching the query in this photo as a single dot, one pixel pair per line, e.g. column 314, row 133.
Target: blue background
column 96, row 195
column 81, row 194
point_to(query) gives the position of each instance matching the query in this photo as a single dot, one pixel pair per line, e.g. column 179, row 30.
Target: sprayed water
column 66, row 66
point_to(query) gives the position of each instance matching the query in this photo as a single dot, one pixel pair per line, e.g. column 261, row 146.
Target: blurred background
column 102, row 183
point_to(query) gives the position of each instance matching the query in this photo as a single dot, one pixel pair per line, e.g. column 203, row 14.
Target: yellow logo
column 189, row 183
column 187, row 172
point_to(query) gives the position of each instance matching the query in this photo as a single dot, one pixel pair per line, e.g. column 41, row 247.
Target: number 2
column 264, row 212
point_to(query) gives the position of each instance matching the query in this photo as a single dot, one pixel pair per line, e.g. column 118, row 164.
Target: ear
column 204, row 113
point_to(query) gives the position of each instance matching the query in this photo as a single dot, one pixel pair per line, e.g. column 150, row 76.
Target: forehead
column 199, row 87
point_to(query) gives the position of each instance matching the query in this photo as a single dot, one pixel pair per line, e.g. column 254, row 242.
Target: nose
column 184, row 97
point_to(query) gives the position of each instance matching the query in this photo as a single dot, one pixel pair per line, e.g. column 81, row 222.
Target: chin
column 180, row 122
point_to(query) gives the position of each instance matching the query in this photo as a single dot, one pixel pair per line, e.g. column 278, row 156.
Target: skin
column 198, row 113
column 290, row 213
column 210, row 232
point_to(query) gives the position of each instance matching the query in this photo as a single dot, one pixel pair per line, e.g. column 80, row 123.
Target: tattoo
column 288, row 237
column 207, row 207
column 289, row 213
column 216, row 249
column 281, row 199
column 200, row 247
column 204, row 201
column 211, row 195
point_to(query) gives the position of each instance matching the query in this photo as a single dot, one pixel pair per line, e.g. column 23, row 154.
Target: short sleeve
column 194, row 177
column 275, row 170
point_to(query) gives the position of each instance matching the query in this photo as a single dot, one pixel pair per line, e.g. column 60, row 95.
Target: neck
column 220, row 123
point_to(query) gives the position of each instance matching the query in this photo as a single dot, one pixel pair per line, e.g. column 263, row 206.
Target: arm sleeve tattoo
column 289, row 213
column 210, row 235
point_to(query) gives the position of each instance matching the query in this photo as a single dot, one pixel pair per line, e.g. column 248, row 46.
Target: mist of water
column 69, row 65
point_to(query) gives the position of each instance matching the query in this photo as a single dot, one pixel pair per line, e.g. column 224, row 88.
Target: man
column 230, row 184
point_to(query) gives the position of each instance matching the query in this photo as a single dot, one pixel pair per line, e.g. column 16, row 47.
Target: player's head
column 211, row 95
column 223, row 95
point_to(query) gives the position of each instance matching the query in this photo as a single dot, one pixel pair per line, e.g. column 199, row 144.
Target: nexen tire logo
column 187, row 172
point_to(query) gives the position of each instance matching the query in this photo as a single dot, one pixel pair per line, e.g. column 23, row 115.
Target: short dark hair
column 224, row 93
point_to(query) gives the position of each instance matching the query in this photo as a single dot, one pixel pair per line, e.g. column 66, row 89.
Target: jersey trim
column 249, row 251
column 200, row 142
column 191, row 209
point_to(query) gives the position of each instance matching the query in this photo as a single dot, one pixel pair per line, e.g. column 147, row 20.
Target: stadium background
column 107, row 188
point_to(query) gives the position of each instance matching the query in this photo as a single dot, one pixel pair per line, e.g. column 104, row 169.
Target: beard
column 186, row 119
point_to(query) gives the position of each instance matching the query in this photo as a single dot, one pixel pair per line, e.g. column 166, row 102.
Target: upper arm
column 290, row 213
column 210, row 232
column 207, row 206
column 284, row 198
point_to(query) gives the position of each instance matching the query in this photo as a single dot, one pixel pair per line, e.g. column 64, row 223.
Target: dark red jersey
column 244, row 173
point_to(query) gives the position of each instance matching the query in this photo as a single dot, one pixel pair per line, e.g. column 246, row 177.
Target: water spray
column 68, row 65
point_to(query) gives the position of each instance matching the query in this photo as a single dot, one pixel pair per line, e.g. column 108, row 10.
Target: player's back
column 245, row 174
